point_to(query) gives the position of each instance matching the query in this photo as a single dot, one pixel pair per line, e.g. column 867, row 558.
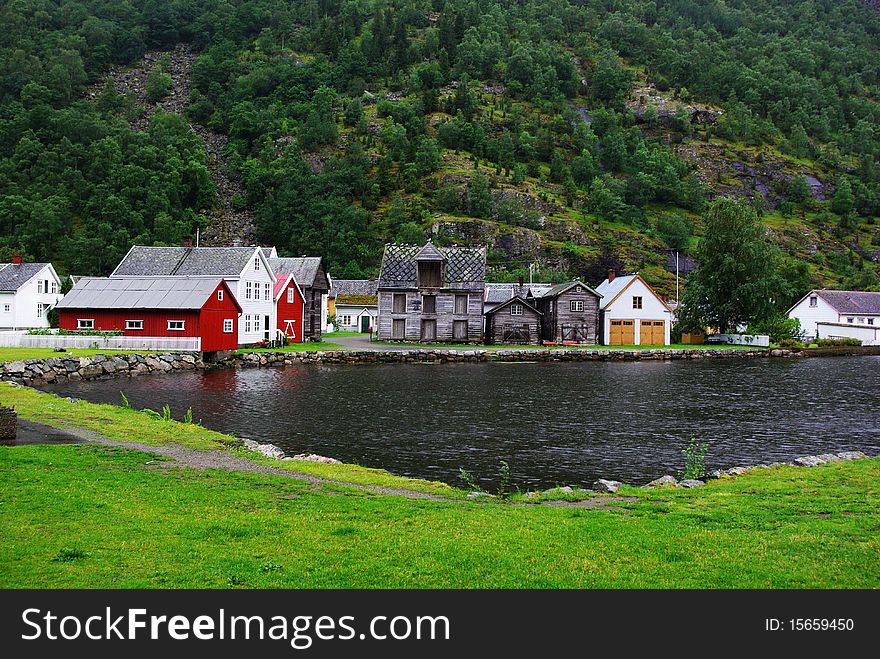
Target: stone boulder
column 691, row 482
column 663, row 481
column 604, row 485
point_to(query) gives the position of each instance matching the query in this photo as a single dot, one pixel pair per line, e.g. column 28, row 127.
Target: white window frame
column 850, row 320
column 134, row 324
column 182, row 327
column 248, row 290
column 814, row 301
column 220, row 295
column 516, row 310
column 638, row 302
column 85, row 323
column 256, row 264
column 291, row 295
column 54, row 287
column 346, row 319
column 267, row 292
column 228, row 325
column 870, row 321
column 40, row 287
column 576, row 306
column 7, row 308
column 247, row 324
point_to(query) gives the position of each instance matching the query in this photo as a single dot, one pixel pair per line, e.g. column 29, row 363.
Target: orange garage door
column 622, row 333
column 652, row 332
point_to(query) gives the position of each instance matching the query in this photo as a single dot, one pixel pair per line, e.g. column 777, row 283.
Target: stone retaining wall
column 63, row 369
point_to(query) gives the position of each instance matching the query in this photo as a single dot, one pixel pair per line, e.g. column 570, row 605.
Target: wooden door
column 365, row 324
column 652, row 333
column 622, row 333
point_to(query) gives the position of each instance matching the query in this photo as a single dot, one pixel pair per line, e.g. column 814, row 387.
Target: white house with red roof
column 631, row 312
column 27, row 292
column 839, row 314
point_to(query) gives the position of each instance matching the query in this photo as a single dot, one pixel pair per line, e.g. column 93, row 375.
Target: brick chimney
column 188, row 242
column 16, row 259
column 522, row 282
column 612, row 273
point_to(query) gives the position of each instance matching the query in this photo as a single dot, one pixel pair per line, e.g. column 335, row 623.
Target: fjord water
column 555, row 424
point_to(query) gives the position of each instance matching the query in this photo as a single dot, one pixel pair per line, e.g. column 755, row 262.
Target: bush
column 791, row 344
column 778, row 327
column 694, row 459
column 837, row 343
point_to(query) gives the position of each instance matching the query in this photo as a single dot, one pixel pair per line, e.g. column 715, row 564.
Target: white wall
column 622, row 309
column 809, row 316
column 255, row 306
column 23, row 303
column 356, row 313
column 868, row 334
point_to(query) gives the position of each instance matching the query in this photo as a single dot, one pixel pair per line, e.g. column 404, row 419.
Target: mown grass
column 16, row 354
column 306, row 346
column 128, row 425
column 92, row 517
column 465, row 346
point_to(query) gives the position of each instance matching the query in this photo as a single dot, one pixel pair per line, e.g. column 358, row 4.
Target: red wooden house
column 289, row 307
column 155, row 307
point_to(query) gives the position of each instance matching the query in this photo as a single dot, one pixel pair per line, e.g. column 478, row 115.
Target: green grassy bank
column 92, row 516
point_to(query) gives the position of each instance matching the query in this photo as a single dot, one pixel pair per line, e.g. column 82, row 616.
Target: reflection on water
column 562, row 424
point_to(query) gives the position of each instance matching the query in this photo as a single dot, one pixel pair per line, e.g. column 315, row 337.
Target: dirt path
column 226, row 224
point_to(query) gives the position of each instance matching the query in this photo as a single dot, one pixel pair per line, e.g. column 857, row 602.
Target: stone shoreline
column 63, row 368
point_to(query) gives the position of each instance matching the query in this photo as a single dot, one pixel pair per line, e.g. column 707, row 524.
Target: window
column 248, row 290
column 267, row 291
column 346, row 319
column 134, row 324
column 85, row 323
column 291, row 292
column 398, row 328
column 861, row 320
column 429, row 274
column 578, row 289
column 7, row 308
column 247, row 323
column 429, row 304
column 256, row 263
column 814, row 301
column 176, row 325
column 576, row 305
column 461, row 305
column 551, row 306
column 516, row 310
column 54, row 287
column 870, row 321
column 429, row 330
column 637, row 301
column 40, row 307
column 460, row 330
column 39, row 285
column 220, row 295
column 399, row 303
column 850, row 320
column 227, row 325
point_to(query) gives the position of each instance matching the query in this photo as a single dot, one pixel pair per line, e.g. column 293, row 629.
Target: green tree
column 844, row 200
column 736, row 282
column 479, row 197
column 159, row 84
column 675, row 231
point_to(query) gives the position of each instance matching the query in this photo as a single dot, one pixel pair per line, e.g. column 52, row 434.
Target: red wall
column 207, row 322
column 290, row 311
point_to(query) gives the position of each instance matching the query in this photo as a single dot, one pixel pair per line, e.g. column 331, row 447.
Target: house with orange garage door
column 631, row 312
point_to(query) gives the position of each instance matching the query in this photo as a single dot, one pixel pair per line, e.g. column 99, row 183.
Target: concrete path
column 362, row 342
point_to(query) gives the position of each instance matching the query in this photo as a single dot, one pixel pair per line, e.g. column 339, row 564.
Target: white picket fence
column 756, row 340
column 21, row 339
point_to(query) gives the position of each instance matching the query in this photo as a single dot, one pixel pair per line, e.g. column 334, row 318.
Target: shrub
column 836, row 343
column 791, row 344
column 694, row 459
column 778, row 327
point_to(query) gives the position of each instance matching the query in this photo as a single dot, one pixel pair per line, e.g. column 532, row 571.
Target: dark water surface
column 564, row 424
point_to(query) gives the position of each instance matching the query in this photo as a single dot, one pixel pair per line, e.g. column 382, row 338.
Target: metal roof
column 610, row 289
column 143, row 293
column 517, row 299
column 13, row 277
column 465, row 266
column 558, row 289
column 851, row 302
column 184, row 261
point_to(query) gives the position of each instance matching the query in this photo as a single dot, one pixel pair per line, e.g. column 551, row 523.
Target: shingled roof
column 353, row 287
column 558, row 289
column 465, row 266
column 146, row 293
column 13, row 277
column 851, row 302
column 304, row 268
column 184, row 261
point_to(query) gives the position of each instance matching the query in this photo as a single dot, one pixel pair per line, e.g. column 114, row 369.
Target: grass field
column 306, row 346
column 460, row 346
column 89, row 516
column 15, row 354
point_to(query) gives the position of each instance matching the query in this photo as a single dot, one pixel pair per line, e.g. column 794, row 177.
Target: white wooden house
column 27, row 292
column 839, row 314
column 245, row 269
column 631, row 312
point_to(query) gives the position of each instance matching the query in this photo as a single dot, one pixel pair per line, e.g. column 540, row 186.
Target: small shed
column 514, row 322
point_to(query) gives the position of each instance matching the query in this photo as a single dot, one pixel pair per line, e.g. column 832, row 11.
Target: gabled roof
column 848, row 302
column 611, row 290
column 517, row 299
column 304, row 268
column 142, row 293
column 354, row 287
column 465, row 266
column 498, row 292
column 13, row 277
column 184, row 261
column 269, row 252
column 429, row 253
column 559, row 289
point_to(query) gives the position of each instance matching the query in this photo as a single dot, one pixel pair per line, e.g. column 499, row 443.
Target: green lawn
column 15, row 354
column 306, row 346
column 331, row 335
column 138, row 524
column 461, row 346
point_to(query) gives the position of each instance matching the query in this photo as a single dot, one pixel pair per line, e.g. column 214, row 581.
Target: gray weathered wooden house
column 431, row 294
column 515, row 321
column 570, row 313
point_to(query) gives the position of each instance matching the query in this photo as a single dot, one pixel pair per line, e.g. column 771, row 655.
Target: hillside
column 561, row 134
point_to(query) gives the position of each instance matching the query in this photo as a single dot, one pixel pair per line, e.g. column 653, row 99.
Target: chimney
column 16, row 259
column 522, row 282
column 188, row 242
column 612, row 273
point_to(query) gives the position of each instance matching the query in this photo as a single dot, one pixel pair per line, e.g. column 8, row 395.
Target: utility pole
column 532, row 268
column 676, row 283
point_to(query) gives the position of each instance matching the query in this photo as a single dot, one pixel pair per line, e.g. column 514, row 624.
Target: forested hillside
column 576, row 134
